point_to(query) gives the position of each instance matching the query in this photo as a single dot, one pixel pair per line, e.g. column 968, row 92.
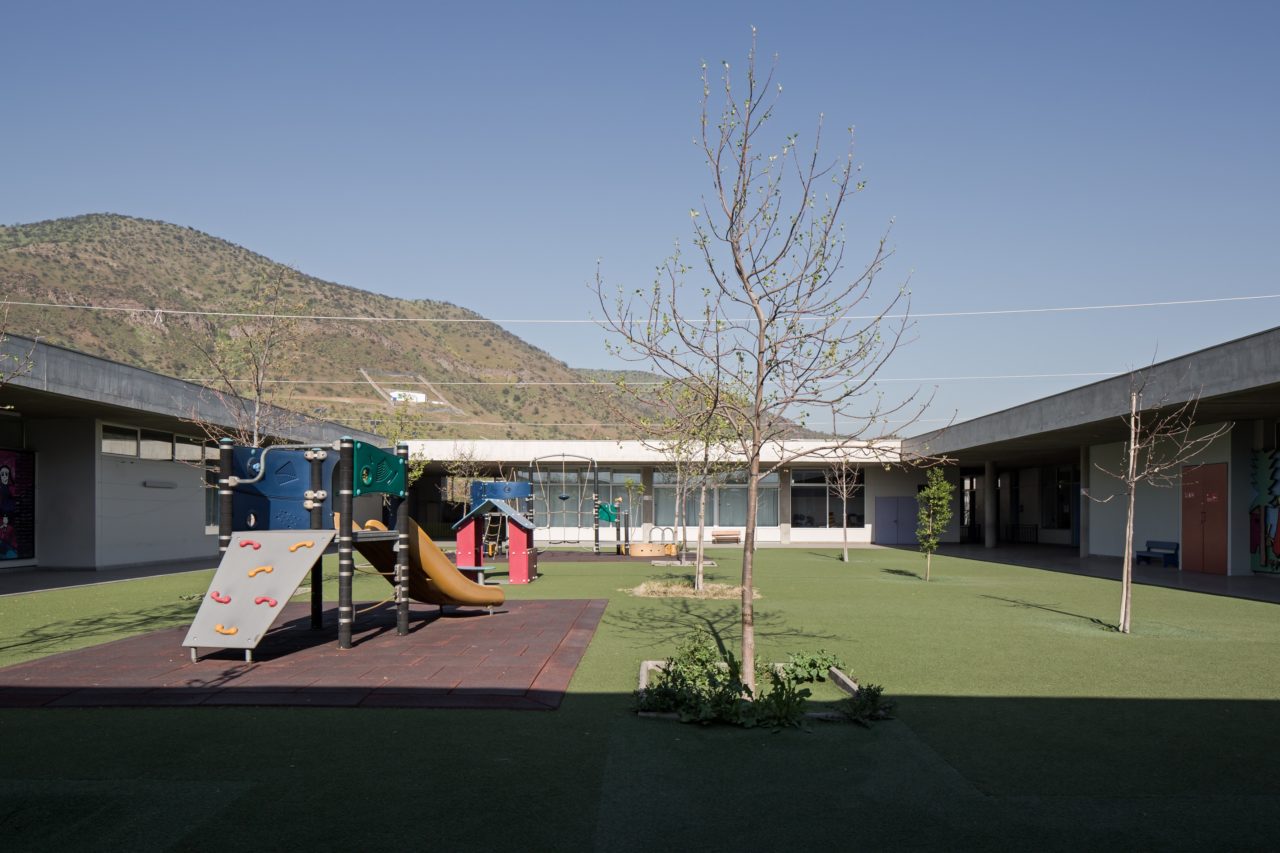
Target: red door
column 1204, row 518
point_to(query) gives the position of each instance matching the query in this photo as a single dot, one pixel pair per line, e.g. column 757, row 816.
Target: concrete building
column 796, row 505
column 102, row 464
column 1035, row 473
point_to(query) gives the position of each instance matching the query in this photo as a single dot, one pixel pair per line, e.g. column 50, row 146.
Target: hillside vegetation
column 127, row 263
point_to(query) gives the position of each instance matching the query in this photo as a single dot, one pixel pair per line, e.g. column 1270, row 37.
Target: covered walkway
column 1061, row 558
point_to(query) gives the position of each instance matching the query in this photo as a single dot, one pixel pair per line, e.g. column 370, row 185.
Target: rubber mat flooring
column 520, row 658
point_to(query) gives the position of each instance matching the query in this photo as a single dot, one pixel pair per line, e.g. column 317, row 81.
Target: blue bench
column 1166, row 552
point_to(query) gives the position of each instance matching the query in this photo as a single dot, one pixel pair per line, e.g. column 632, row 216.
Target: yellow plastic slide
column 433, row 578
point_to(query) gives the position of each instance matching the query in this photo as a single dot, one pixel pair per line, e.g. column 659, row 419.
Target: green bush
column 702, row 683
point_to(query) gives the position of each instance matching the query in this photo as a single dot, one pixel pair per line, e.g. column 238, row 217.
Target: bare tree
column 779, row 329
column 460, row 470
column 844, row 481
column 694, row 443
column 13, row 363
column 248, row 352
column 1161, row 440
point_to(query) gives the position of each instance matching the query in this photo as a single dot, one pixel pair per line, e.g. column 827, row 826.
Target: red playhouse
column 523, row 559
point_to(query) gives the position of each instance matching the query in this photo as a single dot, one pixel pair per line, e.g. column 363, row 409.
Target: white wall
column 1157, row 511
column 137, row 523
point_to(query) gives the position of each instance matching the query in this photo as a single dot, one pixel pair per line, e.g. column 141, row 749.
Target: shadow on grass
column 670, row 620
column 902, row 573
column 1018, row 602
column 54, row 636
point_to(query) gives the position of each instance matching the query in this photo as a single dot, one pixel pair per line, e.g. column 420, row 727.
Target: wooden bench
column 1166, row 552
column 726, row 537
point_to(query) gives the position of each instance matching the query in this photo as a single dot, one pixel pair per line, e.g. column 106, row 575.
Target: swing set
column 565, row 482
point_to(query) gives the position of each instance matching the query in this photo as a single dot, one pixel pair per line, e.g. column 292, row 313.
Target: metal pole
column 346, row 561
column 626, row 532
column 316, row 457
column 617, row 526
column 595, row 523
column 402, row 549
column 224, row 494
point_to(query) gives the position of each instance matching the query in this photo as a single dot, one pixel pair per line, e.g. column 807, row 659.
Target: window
column 726, row 501
column 188, row 449
column 1057, row 495
column 816, row 503
column 119, row 441
column 156, row 445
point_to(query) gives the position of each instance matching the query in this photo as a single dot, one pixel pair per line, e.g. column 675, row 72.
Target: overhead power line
column 159, row 313
column 511, row 383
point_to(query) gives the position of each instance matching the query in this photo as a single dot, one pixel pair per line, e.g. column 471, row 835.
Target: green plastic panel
column 376, row 470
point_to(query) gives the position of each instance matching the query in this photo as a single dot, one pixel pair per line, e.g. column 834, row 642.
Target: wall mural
column 17, row 505
column 1264, row 512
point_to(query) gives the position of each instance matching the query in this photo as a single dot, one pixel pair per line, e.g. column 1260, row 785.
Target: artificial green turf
column 1023, row 721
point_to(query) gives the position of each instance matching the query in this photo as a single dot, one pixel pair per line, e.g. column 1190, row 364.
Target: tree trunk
column 702, row 525
column 844, row 527
column 928, row 561
column 748, row 581
column 1126, row 575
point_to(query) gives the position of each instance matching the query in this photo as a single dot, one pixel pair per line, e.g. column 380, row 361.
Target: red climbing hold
column 249, row 543
column 265, row 599
column 221, row 599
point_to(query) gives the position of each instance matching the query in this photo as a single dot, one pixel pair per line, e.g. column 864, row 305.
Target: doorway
column 1204, row 518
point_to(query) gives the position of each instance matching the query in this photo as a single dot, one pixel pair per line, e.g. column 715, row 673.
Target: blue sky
column 1030, row 154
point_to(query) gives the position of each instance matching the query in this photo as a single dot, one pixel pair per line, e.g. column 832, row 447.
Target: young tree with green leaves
column 778, row 328
column 935, row 506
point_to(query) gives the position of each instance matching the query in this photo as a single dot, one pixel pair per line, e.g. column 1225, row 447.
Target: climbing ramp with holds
column 259, row 573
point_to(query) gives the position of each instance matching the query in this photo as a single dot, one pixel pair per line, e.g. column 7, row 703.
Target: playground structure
column 276, row 519
column 521, row 555
column 572, row 490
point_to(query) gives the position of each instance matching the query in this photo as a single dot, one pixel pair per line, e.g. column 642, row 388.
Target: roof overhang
column 1235, row 381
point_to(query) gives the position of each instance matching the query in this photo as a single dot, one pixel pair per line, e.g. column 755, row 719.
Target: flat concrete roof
column 628, row 451
column 1237, row 380
column 63, row 382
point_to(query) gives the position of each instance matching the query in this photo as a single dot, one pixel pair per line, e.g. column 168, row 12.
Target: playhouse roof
column 489, row 505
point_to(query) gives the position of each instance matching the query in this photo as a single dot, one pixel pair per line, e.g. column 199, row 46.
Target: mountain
column 344, row 370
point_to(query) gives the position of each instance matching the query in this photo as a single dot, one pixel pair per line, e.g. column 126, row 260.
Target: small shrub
column 701, row 683
column 866, row 706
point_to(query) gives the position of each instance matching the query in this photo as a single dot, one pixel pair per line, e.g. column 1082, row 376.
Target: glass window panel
column 664, row 505
column 853, row 509
column 808, row 506
column 120, row 441
column 156, row 445
column 767, row 508
column 809, row 475
column 188, row 449
column 731, row 507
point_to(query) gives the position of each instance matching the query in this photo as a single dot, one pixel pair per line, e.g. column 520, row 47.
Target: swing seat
column 563, row 497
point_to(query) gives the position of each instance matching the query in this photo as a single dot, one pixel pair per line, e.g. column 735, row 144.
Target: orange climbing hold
column 306, row 543
column 260, row 570
column 221, row 630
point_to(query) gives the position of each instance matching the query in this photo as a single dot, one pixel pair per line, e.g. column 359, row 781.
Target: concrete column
column 784, row 506
column 1085, row 502
column 989, row 505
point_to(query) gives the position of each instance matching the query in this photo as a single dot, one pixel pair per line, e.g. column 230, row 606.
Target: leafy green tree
column 935, row 501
